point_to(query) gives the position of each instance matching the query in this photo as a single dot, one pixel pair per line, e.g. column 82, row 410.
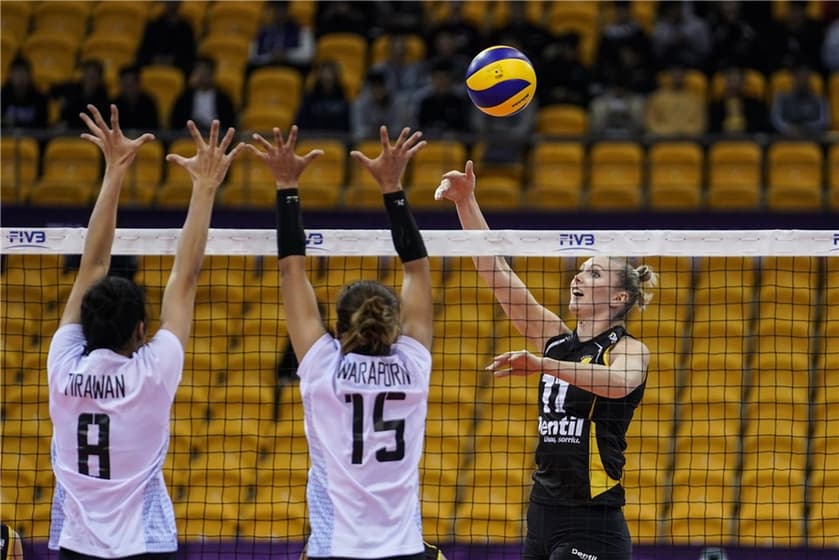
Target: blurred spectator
column 440, row 109
column 622, row 34
column 325, row 107
column 794, row 41
column 446, row 49
column 679, row 37
column 734, row 40
column 168, row 40
column 673, row 109
column 531, row 38
column 400, row 75
column 343, row 17
column 505, row 138
column 801, row 110
column 23, row 105
column 202, row 101
column 735, row 112
column 570, row 86
column 137, row 109
column 374, row 106
column 401, row 16
column 74, row 97
column 830, row 49
column 282, row 40
column 466, row 37
column 619, row 112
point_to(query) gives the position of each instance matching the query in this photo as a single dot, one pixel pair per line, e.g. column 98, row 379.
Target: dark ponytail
column 368, row 318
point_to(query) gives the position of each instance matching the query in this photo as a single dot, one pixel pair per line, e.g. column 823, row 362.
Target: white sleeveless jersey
column 365, row 424
column 110, row 418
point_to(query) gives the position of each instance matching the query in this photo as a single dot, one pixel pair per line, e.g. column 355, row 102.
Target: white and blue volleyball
column 501, row 81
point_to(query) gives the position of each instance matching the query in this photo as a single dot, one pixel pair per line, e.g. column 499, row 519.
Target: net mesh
column 732, row 444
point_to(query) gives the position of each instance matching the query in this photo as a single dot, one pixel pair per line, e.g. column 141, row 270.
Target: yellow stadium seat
column 349, row 51
column 562, row 120
column 176, row 190
column 701, row 511
column 780, row 9
column 363, row 191
column 144, row 176
column 576, row 17
column 782, row 81
column 194, row 11
column 615, row 176
column 493, row 506
column 19, row 167
column 833, row 175
column 823, row 526
column 71, row 171
column 230, row 80
column 114, row 51
column 124, row 19
column 234, row 19
column 754, row 84
column 64, row 18
column 8, row 51
column 14, row 24
column 229, row 52
column 52, row 56
column 495, row 193
column 695, row 81
column 675, row 175
column 556, row 175
column 165, row 84
column 322, row 182
column 771, row 509
column 414, row 48
column 273, row 87
column 263, row 119
column 794, row 176
column 734, row 175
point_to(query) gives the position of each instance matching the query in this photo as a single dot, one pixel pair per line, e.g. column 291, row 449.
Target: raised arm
column 119, row 153
column 416, row 304
column 207, row 169
column 536, row 322
column 305, row 325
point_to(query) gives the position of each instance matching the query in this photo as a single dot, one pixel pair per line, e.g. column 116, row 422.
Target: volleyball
column 501, row 81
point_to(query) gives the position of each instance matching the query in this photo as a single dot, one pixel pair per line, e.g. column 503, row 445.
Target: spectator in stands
column 137, row 109
column 623, row 34
column 343, row 17
column 679, row 37
column 440, row 109
column 619, row 112
column 282, row 41
column 734, row 41
column 445, row 49
column 830, row 48
column 374, row 106
column 674, row 109
column 505, row 139
column 74, row 97
column 736, row 112
column 532, row 37
column 801, row 110
column 168, row 40
column 202, row 101
column 23, row 106
column 401, row 76
column 794, row 41
column 325, row 107
column 569, row 86
column 467, row 38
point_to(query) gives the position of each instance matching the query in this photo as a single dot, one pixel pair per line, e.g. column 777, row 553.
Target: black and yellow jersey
column 582, row 436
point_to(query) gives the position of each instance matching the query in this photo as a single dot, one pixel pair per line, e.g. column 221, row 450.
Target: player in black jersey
column 592, row 378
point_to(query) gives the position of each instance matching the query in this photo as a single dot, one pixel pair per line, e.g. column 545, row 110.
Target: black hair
column 111, row 309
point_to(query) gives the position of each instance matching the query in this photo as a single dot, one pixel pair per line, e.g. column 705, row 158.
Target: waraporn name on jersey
column 374, row 372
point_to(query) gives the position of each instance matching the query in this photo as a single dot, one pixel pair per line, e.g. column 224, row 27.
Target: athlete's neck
column 590, row 328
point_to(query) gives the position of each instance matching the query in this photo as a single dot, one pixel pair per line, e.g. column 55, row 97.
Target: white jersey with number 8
column 365, row 425
column 110, row 418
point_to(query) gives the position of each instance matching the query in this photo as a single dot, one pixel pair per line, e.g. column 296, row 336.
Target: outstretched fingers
column 177, row 159
column 311, row 155
column 361, row 158
column 292, row 137
column 214, row 126
column 228, row 138
column 403, row 136
column 97, row 117
column 259, row 139
column 470, row 170
column 114, row 118
column 196, row 135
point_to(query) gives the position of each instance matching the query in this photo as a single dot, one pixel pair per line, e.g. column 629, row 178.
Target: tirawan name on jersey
column 581, row 436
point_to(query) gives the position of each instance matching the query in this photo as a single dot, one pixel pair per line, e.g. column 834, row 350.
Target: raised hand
column 280, row 157
column 118, row 150
column 390, row 164
column 520, row 362
column 457, row 186
column 209, row 166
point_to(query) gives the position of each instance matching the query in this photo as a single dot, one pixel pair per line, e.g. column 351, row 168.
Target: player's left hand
column 118, row 150
column 520, row 362
column 390, row 164
column 280, row 157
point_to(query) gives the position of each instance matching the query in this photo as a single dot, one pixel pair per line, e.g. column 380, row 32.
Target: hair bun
column 645, row 273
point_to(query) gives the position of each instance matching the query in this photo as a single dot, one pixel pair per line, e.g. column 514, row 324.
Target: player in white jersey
column 110, row 392
column 365, row 389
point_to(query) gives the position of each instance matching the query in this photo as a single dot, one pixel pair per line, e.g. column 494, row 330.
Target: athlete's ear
column 140, row 333
column 620, row 298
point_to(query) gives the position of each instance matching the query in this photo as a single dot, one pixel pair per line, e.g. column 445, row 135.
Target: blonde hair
column 635, row 281
column 368, row 318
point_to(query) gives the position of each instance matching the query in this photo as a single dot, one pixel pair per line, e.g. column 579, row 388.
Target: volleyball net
column 733, row 443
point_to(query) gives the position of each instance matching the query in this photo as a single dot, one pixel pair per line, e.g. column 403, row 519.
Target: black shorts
column 571, row 533
column 64, row 554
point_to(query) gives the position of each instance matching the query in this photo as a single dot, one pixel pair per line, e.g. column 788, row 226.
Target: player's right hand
column 456, row 185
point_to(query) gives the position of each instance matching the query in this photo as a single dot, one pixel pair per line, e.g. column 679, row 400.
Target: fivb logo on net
column 26, row 238
column 314, row 241
column 569, row 241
